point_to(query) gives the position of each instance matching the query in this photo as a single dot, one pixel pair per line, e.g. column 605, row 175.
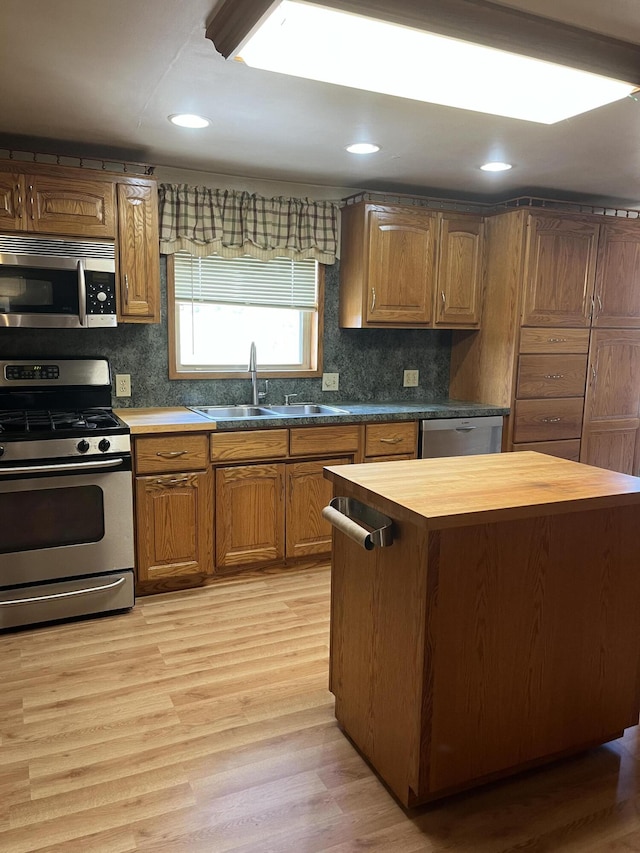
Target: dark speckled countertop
column 180, row 419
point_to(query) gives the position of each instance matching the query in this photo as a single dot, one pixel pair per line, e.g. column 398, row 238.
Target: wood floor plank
column 201, row 722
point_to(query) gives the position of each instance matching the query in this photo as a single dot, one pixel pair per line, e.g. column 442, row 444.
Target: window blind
column 278, row 283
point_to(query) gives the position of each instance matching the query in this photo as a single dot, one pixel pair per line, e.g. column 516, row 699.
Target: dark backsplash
column 370, row 361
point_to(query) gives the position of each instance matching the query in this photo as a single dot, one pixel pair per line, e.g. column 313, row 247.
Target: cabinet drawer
column 554, row 340
column 253, row 444
column 397, row 458
column 330, row 439
column 568, row 449
column 170, row 453
column 390, row 439
column 551, row 376
column 546, row 420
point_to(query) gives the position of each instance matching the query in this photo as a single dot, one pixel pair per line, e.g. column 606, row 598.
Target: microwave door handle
column 82, row 293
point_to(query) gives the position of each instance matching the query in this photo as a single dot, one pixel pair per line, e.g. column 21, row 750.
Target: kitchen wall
column 370, row 361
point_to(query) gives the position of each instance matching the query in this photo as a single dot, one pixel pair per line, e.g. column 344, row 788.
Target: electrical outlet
column 123, row 385
column 330, row 381
column 411, row 378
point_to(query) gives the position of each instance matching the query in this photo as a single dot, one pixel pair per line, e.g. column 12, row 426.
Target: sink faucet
column 253, row 370
column 256, row 396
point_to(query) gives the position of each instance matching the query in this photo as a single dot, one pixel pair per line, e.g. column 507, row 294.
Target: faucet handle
column 262, row 395
column 288, row 398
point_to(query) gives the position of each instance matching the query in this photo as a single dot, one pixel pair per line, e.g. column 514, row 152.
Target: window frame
column 316, row 337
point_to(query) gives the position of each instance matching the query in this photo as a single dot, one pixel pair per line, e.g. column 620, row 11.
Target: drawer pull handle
column 395, row 440
column 444, row 298
column 171, row 454
column 551, row 420
column 554, row 376
column 175, row 481
column 557, row 340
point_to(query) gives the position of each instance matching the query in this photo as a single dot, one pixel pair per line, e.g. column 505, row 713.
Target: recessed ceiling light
column 496, row 167
column 362, row 148
column 189, row 120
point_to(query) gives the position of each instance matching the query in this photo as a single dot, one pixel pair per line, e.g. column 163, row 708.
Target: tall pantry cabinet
column 560, row 340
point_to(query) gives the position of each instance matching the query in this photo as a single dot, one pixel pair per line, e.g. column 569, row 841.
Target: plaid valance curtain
column 231, row 223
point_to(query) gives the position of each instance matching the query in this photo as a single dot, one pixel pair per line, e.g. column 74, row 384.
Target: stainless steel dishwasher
column 460, row 436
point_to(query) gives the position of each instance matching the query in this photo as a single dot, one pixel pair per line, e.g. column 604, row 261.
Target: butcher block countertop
column 463, row 490
column 174, row 419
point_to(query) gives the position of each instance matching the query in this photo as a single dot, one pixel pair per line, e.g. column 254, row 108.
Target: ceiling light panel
column 350, row 50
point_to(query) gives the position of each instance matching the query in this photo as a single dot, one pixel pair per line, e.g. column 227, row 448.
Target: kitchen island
column 499, row 630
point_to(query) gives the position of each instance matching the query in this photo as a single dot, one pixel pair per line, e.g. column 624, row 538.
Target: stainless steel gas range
column 66, row 497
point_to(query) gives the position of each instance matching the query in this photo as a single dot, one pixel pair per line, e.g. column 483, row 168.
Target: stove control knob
column 104, row 445
column 82, row 446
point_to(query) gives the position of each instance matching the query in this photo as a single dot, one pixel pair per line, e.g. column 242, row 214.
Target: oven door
column 65, row 520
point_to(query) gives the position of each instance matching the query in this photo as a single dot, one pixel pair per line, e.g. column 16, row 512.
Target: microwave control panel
column 101, row 299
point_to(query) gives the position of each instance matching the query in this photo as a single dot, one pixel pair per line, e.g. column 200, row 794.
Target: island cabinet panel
column 561, row 269
column 249, row 515
column 498, row 630
column 174, row 515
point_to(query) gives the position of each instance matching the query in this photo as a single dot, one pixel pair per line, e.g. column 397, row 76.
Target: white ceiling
column 103, row 75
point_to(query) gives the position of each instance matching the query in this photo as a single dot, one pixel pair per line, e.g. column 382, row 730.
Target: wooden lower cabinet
column 271, row 512
column 308, row 534
column 174, row 515
column 249, row 514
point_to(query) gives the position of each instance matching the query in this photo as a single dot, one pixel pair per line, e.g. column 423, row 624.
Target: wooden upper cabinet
column 387, row 266
column 12, row 202
column 46, row 204
column 75, row 206
column 617, row 292
column 139, row 254
column 560, row 271
column 459, row 290
column 401, row 265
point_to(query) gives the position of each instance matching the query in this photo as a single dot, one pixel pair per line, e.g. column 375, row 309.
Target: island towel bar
column 345, row 513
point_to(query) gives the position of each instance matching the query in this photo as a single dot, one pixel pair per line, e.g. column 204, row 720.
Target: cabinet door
column 617, row 294
column 560, row 272
column 308, row 492
column 12, row 202
column 459, row 271
column 250, row 514
column 174, row 526
column 612, row 406
column 139, row 253
column 73, row 206
column 401, row 265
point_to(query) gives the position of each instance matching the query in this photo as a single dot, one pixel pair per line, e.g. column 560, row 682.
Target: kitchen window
column 218, row 306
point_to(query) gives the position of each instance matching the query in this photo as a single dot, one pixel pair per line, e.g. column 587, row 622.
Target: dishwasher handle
column 346, row 513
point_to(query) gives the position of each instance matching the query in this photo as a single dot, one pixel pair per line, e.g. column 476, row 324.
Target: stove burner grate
column 55, row 421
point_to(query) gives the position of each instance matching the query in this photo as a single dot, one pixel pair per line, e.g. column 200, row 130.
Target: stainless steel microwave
column 47, row 283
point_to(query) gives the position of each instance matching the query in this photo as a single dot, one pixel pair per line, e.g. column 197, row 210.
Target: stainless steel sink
column 304, row 409
column 227, row 412
column 219, row 413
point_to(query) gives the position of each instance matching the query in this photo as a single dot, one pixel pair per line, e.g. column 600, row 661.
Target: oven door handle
column 55, row 595
column 69, row 468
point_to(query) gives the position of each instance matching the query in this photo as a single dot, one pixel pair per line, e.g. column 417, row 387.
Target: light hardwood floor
column 201, row 723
